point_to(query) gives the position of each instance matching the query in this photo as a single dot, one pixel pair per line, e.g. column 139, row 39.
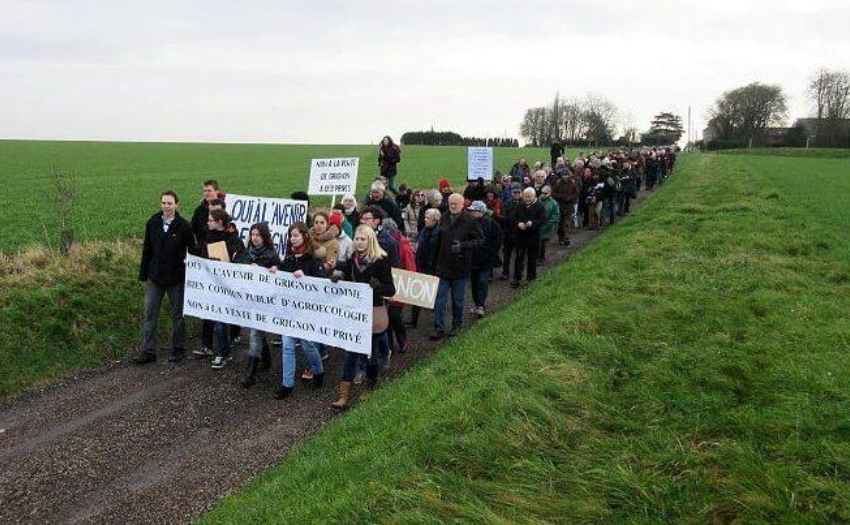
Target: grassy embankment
column 64, row 314
column 691, row 364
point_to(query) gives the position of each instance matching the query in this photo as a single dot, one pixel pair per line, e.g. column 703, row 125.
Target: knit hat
column 444, row 183
column 478, row 206
column 335, row 219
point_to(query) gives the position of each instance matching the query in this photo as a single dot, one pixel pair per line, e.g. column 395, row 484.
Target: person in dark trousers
column 484, row 257
column 526, row 220
column 261, row 252
column 221, row 229
column 168, row 238
column 208, row 326
column 555, row 151
column 427, row 249
column 508, row 243
column 460, row 237
column 389, row 155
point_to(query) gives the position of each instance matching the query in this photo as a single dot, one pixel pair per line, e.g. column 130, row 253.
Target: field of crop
column 120, row 182
column 689, row 365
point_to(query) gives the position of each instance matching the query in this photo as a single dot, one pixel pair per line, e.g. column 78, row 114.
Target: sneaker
column 359, row 377
column 307, row 375
column 203, row 351
column 480, row 311
column 220, row 362
column 236, row 340
column 473, row 310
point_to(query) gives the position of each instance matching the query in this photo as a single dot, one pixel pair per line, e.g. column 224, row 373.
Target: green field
column 690, row 365
column 120, row 182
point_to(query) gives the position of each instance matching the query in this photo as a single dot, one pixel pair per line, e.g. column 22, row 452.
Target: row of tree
column 590, row 122
column 450, row 138
column 753, row 115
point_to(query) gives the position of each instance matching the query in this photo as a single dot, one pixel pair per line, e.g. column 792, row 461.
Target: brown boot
column 344, row 395
column 371, row 383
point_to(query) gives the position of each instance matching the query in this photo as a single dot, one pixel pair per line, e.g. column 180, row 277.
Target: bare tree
column 60, row 195
column 829, row 92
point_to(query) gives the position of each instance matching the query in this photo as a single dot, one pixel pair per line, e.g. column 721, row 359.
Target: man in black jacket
column 378, row 197
column 461, row 235
column 525, row 222
column 199, row 217
column 168, row 238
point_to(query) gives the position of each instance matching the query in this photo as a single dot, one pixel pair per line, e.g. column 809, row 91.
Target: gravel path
column 165, row 442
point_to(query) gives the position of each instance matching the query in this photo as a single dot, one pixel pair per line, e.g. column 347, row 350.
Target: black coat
column 306, row 263
column 390, row 208
column 468, row 232
column 380, row 270
column 523, row 213
column 199, row 221
column 427, row 249
column 230, row 238
column 485, row 256
column 265, row 256
column 164, row 253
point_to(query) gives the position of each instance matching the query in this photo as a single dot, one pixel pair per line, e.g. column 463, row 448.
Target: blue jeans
column 610, row 211
column 457, row 287
column 221, row 339
column 480, row 281
column 288, row 359
column 351, row 361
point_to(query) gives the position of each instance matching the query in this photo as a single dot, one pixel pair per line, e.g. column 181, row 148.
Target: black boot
column 266, row 357
column 318, row 380
column 283, row 392
column 250, row 376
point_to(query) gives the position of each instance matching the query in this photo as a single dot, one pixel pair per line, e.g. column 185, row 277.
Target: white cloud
column 333, row 72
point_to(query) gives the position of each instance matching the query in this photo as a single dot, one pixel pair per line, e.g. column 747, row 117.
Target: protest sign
column 479, row 163
column 278, row 213
column 418, row 289
column 337, row 314
column 333, row 176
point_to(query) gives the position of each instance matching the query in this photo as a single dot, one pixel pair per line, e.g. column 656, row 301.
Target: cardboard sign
column 277, row 213
column 217, row 251
column 333, row 176
column 414, row 288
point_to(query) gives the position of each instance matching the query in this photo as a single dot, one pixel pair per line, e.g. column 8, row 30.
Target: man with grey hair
column 378, row 197
column 525, row 221
column 460, row 236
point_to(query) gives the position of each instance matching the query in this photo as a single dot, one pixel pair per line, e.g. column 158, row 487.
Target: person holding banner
column 299, row 261
column 261, row 252
column 168, row 238
column 222, row 244
column 389, row 155
column 368, row 264
column 199, row 217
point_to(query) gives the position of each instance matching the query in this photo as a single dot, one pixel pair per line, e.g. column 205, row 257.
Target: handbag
column 380, row 319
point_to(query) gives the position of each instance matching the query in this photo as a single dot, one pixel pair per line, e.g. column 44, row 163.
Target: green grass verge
column 120, row 182
column 689, row 365
column 815, row 153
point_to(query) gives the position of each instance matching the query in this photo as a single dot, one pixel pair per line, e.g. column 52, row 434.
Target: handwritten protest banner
column 278, row 213
column 337, row 314
column 333, row 176
column 418, row 289
column 479, row 163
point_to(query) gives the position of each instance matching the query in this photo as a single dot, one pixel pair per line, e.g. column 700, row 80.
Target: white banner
column 337, row 314
column 414, row 288
column 333, row 176
column 278, row 213
column 479, row 163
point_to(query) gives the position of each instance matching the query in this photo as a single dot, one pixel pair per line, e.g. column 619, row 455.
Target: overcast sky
column 336, row 72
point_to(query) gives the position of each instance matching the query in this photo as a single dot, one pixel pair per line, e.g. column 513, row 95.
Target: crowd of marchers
column 462, row 236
